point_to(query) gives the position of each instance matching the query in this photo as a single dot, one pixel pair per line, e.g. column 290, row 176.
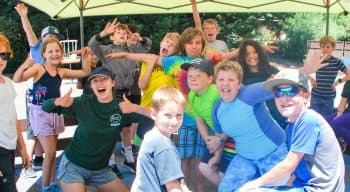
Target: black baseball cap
column 200, row 63
column 101, row 71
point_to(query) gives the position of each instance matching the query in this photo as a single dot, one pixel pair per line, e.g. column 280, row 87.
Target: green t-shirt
column 202, row 105
column 99, row 127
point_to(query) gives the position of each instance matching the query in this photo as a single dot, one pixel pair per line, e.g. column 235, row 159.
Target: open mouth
column 164, row 51
column 101, row 90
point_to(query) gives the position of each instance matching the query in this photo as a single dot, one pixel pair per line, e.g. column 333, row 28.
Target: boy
column 323, row 88
column 202, row 97
column 210, row 29
column 10, row 134
column 158, row 164
column 314, row 157
column 124, row 69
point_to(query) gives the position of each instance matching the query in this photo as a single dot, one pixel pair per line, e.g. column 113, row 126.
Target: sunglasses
column 285, row 91
column 5, row 56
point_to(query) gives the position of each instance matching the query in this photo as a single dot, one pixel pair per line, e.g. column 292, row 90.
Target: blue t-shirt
column 35, row 53
column 322, row 166
column 158, row 163
column 247, row 120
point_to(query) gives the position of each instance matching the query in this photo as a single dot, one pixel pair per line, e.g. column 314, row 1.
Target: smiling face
column 291, row 105
column 227, row 84
column 197, row 80
column 327, row 48
column 210, row 31
column 52, row 52
column 168, row 118
column 102, row 87
column 168, row 46
column 194, row 46
column 252, row 58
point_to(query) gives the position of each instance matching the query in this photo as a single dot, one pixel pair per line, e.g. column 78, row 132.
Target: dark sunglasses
column 5, row 56
column 285, row 91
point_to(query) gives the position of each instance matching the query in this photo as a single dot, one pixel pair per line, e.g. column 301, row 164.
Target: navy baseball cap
column 101, row 71
column 200, row 63
column 51, row 30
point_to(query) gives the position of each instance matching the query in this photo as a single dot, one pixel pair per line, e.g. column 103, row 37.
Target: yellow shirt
column 158, row 79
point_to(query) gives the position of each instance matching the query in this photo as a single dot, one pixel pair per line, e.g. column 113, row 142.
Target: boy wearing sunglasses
column 314, row 157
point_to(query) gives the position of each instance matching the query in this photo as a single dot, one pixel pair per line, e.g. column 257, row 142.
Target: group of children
column 220, row 115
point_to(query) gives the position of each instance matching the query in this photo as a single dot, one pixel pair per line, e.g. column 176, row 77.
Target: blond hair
column 327, row 39
column 165, row 95
column 228, row 65
column 213, row 22
column 4, row 41
column 187, row 35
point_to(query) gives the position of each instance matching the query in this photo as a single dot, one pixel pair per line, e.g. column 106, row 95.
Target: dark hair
column 263, row 64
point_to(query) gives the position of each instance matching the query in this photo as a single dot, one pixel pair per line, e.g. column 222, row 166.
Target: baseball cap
column 51, row 30
column 200, row 63
column 101, row 71
column 289, row 77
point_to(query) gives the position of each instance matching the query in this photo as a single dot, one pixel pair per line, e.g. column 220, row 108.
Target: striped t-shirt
column 325, row 77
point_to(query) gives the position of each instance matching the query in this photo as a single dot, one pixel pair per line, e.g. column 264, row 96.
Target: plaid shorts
column 191, row 144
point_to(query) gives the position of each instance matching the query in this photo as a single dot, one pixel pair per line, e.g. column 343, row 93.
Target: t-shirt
column 99, row 127
column 158, row 163
column 157, row 79
column 322, row 166
column 35, row 53
column 247, row 120
column 346, row 93
column 8, row 131
column 202, row 105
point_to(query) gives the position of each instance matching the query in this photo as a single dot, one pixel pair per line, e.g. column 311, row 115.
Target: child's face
column 197, row 80
column 3, row 62
column 53, row 53
column 251, row 57
column 103, row 88
column 210, row 32
column 228, row 85
column 120, row 36
column 168, row 118
column 193, row 48
column 292, row 105
column 326, row 48
column 167, row 47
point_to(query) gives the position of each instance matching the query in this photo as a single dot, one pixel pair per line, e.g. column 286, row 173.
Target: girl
column 191, row 45
column 47, row 79
column 85, row 160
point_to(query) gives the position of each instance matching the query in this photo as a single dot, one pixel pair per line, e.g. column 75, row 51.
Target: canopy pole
column 81, row 9
column 327, row 17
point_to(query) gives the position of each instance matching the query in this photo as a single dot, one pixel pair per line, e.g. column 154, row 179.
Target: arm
column 127, row 107
column 55, row 105
column 139, row 44
column 145, row 77
column 196, row 17
column 69, row 73
column 174, row 186
column 341, row 107
column 141, row 57
column 283, row 169
column 22, row 11
column 25, row 71
column 22, row 148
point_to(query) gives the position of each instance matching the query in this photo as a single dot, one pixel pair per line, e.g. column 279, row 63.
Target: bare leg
column 199, row 177
column 68, row 187
column 49, row 145
column 211, row 173
column 113, row 186
column 186, row 167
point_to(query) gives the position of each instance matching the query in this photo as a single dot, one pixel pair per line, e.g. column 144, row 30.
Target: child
column 158, row 164
column 47, row 81
column 256, row 68
column 125, row 70
column 202, row 96
column 10, row 134
column 191, row 45
column 241, row 113
column 85, row 160
column 314, row 158
column 323, row 88
column 210, row 29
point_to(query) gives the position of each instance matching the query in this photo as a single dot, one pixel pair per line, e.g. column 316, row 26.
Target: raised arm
column 69, row 73
column 145, row 77
column 25, row 71
column 141, row 57
column 22, row 11
column 196, row 17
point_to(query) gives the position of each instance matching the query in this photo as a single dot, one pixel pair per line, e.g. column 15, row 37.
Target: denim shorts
column 69, row 172
column 44, row 123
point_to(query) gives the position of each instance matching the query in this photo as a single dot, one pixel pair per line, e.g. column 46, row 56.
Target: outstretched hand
column 110, row 27
column 115, row 55
column 127, row 107
column 21, row 9
column 314, row 61
column 66, row 100
column 270, row 48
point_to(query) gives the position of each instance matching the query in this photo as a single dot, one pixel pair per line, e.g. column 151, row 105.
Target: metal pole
column 81, row 9
column 327, row 17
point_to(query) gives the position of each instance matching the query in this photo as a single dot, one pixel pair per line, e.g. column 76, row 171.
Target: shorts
column 7, row 167
column 43, row 123
column 30, row 133
column 69, row 172
column 278, row 189
column 191, row 144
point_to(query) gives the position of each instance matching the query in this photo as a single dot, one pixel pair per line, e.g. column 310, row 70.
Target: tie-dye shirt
column 171, row 66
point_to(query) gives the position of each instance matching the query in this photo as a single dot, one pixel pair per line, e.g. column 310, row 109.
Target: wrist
column 142, row 109
column 340, row 111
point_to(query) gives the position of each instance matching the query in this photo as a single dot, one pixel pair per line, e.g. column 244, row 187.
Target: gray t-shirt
column 219, row 46
column 158, row 163
column 322, row 167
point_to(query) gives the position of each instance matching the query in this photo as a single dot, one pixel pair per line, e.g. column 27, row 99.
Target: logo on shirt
column 115, row 120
